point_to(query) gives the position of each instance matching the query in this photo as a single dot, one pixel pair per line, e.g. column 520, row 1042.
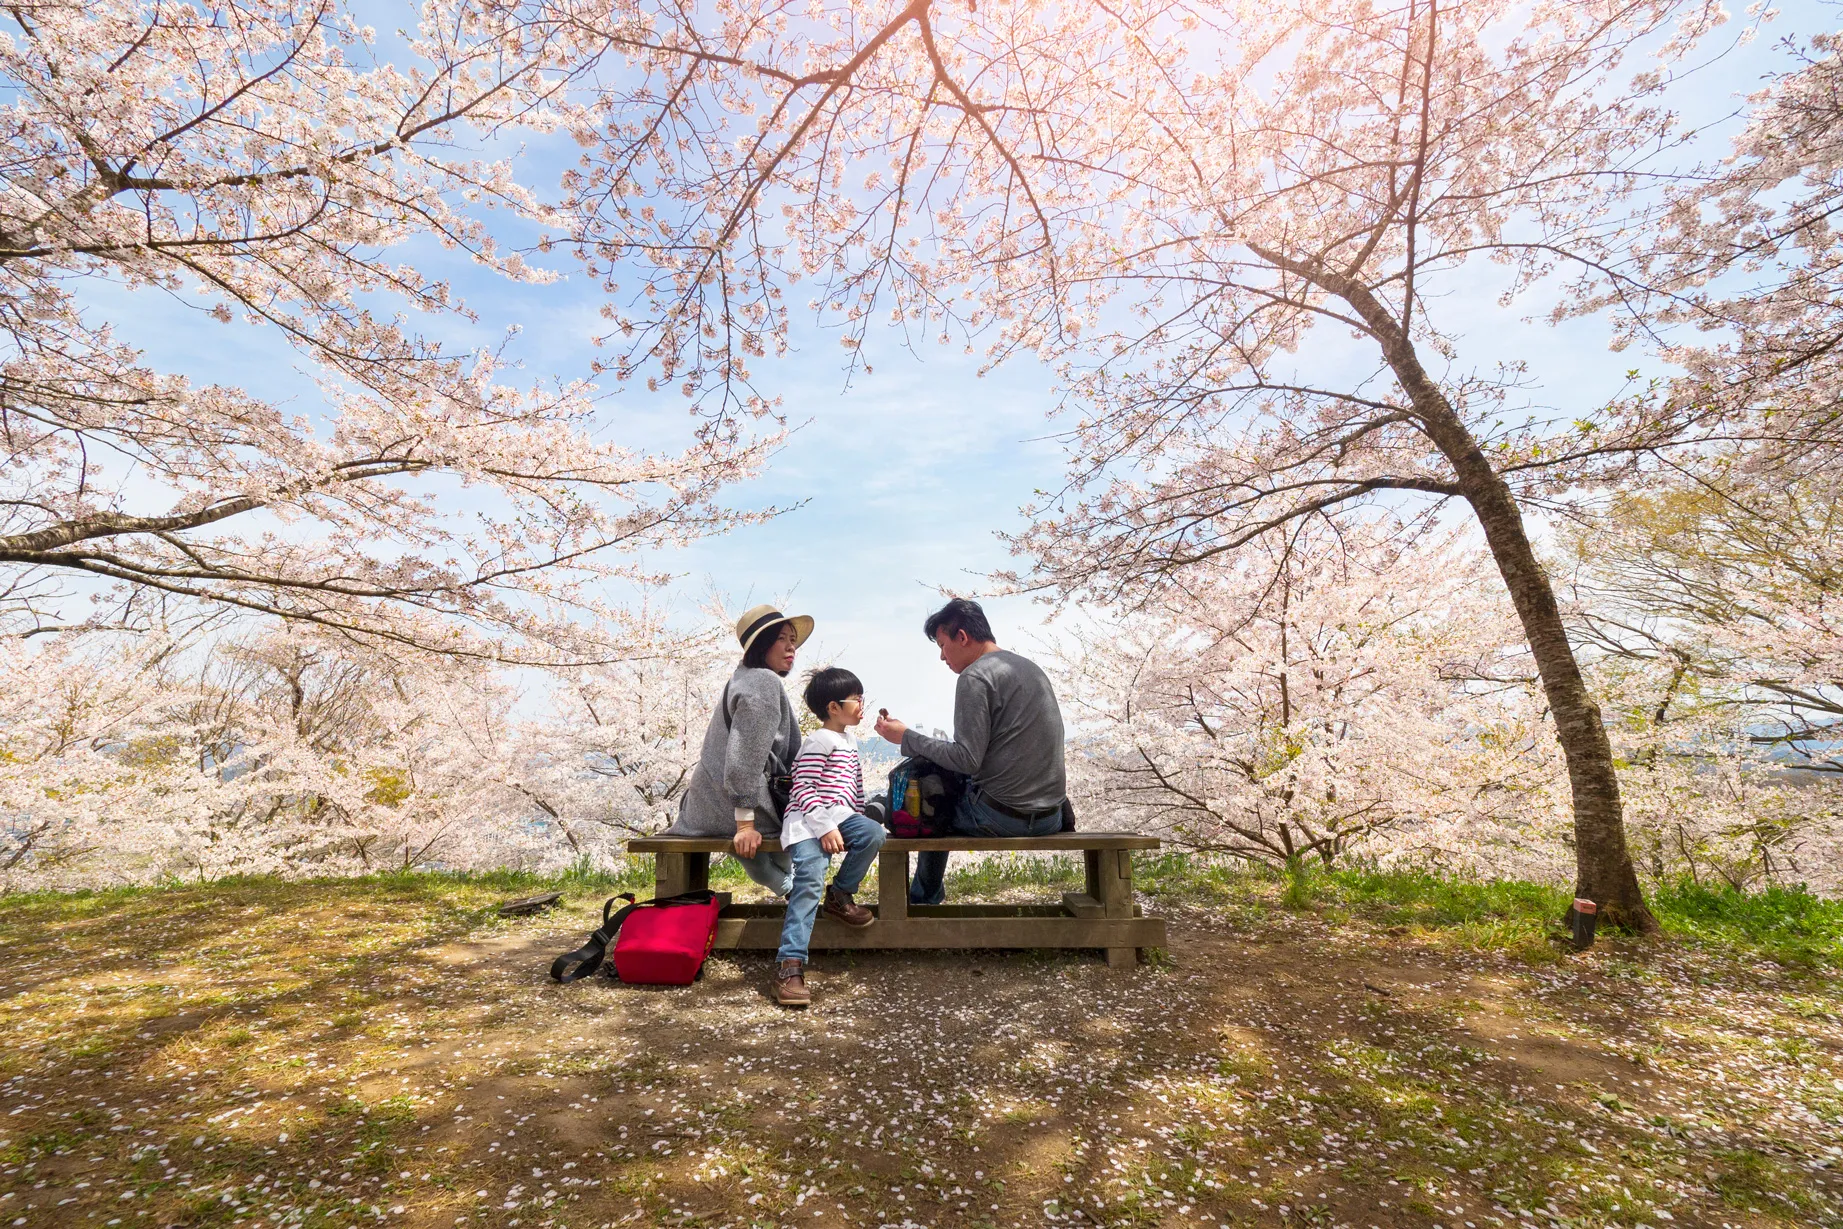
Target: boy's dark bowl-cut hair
column 962, row 614
column 834, row 684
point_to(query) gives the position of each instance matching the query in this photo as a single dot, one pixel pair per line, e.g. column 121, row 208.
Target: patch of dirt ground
column 390, row 1052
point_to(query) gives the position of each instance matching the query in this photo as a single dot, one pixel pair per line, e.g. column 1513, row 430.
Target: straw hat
column 759, row 619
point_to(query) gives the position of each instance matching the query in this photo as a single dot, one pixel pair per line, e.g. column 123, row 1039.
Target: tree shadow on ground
column 303, row 1054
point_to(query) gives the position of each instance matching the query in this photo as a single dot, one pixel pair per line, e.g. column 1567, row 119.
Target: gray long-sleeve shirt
column 1007, row 733
column 732, row 764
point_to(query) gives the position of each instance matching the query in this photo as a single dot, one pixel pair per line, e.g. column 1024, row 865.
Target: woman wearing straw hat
column 753, row 733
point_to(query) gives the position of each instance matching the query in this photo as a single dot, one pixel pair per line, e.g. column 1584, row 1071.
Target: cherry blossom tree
column 1740, row 276
column 1332, row 688
column 64, row 706
column 1392, row 151
column 1167, row 198
column 1708, row 605
column 614, row 749
column 280, row 750
column 1731, row 579
column 272, row 165
column 284, row 749
column 1709, row 596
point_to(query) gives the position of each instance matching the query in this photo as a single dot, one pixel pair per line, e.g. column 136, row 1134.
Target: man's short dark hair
column 962, row 614
column 756, row 656
column 832, row 685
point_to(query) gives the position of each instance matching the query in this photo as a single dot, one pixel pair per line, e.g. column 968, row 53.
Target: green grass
column 968, row 879
column 1788, row 925
column 1424, row 898
column 627, row 875
column 1499, row 914
column 1791, row 926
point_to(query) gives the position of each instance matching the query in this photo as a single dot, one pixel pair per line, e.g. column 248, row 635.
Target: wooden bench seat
column 1101, row 916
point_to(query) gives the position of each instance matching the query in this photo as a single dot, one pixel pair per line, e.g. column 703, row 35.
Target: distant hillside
column 878, row 758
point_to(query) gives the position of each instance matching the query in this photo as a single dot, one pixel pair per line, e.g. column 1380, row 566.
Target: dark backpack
column 937, row 790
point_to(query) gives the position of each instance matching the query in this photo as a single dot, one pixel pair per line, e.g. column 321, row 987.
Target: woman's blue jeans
column 973, row 817
column 863, row 838
column 773, row 871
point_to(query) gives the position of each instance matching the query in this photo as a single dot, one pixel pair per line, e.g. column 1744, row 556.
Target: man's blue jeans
column 973, row 817
column 863, row 837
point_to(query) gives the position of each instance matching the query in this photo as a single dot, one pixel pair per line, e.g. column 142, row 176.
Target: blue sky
column 904, row 478
column 907, row 477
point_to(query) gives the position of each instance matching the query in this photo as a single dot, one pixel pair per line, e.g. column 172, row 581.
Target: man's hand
column 832, row 842
column 746, row 841
column 888, row 728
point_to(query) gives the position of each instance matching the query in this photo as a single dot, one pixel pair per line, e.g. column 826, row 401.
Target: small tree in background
column 615, row 747
column 280, row 750
column 286, row 750
column 1330, row 689
column 1711, row 608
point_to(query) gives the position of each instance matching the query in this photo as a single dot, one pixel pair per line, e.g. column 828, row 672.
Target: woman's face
column 780, row 657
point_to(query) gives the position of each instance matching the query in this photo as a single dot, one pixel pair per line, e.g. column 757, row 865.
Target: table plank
column 778, row 911
column 764, row 933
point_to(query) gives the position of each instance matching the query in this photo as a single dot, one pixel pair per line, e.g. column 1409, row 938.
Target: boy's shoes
column 790, row 984
column 840, row 905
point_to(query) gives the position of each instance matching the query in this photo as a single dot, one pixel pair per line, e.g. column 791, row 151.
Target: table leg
column 672, row 873
column 892, row 888
column 1111, row 883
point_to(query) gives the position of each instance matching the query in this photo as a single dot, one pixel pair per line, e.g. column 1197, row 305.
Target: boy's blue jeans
column 973, row 817
column 863, row 837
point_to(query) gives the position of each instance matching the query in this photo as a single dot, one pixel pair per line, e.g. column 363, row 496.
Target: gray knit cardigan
column 732, row 766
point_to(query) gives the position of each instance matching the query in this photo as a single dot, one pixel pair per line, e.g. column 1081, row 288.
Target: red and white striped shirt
column 828, row 786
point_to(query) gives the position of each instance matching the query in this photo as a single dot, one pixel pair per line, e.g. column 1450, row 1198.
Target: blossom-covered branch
column 262, row 165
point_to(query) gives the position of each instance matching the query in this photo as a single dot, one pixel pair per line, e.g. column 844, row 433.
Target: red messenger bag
column 658, row 942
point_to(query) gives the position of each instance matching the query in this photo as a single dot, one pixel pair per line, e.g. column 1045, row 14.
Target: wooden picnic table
column 1101, row 916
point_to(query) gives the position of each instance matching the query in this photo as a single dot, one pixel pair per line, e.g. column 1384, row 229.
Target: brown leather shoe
column 790, row 984
column 840, row 905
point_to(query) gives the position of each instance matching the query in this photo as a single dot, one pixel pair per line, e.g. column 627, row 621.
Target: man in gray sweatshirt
column 1007, row 741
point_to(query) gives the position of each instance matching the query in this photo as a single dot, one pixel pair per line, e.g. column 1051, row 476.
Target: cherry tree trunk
column 1603, row 864
column 1603, row 872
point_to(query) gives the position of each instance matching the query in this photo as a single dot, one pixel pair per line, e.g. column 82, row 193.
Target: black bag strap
column 573, row 966
column 581, row 963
